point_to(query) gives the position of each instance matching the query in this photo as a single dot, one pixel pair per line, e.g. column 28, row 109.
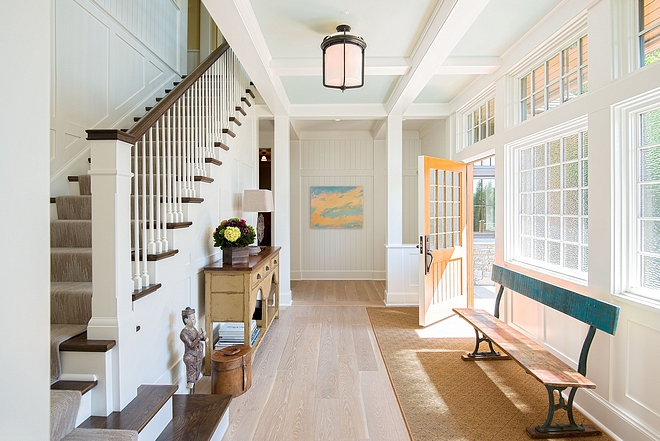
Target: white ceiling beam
column 449, row 23
column 308, row 67
column 239, row 26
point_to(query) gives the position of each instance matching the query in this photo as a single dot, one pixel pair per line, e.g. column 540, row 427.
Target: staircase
column 171, row 150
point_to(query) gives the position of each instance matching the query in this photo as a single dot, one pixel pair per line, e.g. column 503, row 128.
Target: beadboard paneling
column 336, row 253
column 412, row 148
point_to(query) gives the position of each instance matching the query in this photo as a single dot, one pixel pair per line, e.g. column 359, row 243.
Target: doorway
column 483, row 231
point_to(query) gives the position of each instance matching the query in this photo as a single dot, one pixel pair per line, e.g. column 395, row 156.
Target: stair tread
column 82, row 386
column 137, row 414
column 195, row 417
column 80, row 343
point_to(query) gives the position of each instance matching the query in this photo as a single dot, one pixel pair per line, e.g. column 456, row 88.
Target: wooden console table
column 231, row 296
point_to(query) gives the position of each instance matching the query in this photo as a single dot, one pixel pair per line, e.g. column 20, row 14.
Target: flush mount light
column 343, row 59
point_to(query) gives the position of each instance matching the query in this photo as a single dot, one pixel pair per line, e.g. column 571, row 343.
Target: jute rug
column 445, row 398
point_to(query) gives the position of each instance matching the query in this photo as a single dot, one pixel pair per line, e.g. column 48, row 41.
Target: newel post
column 112, row 309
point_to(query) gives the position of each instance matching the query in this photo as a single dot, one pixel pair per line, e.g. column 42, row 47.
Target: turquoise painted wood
column 594, row 312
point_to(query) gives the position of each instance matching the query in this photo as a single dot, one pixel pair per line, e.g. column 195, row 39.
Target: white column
column 112, row 303
column 281, row 195
column 396, row 275
column 25, row 182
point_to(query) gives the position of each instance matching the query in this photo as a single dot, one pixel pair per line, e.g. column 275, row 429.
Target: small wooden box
column 231, row 370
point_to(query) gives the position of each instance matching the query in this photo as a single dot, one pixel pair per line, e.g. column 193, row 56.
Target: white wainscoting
column 412, row 148
column 402, row 275
column 323, row 160
column 110, row 59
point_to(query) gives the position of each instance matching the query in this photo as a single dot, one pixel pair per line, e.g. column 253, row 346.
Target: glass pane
column 651, row 128
column 585, row 231
column 539, row 155
column 554, row 177
column 457, row 239
column 539, row 226
column 539, row 203
column 441, row 225
column 571, row 229
column 585, row 259
column 554, row 227
column 649, row 164
column 433, row 212
column 490, row 219
column 650, row 200
column 475, row 134
column 526, row 86
column 585, row 203
column 571, row 205
column 449, row 241
column 539, row 250
column 570, row 86
column 554, row 253
column 553, row 69
column 650, row 272
column 571, row 175
column 433, row 225
column 526, row 247
column 554, row 95
column 571, row 256
column 468, row 122
column 526, row 183
column 584, row 79
column 585, row 145
column 651, row 46
column 539, row 78
column 476, row 117
column 489, row 191
column 571, row 147
column 526, row 225
column 432, row 176
column 570, row 58
column 449, row 208
column 457, row 224
column 457, row 194
column 491, row 108
column 441, row 210
column 584, row 49
column 539, row 103
column 526, row 159
column 554, row 152
column 483, row 113
column 482, row 135
column 433, row 193
column 491, row 126
column 526, row 204
column 539, row 179
column 441, row 176
column 525, row 109
column 650, row 240
column 554, row 202
column 585, row 173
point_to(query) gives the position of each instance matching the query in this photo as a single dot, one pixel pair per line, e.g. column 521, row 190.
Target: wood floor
column 318, row 374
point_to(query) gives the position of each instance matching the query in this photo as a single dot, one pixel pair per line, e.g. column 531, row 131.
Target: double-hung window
column 649, row 31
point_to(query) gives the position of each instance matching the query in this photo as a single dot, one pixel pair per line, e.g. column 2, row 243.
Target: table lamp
column 258, row 201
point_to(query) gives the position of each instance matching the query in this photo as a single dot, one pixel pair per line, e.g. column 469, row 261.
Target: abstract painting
column 337, row 207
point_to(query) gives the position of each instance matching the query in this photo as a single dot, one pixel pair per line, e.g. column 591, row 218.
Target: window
column 559, row 79
column 551, row 229
column 648, row 202
column 480, row 122
column 483, row 197
column 649, row 31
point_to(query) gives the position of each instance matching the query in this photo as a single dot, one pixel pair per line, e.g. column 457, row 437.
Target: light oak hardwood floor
column 318, row 374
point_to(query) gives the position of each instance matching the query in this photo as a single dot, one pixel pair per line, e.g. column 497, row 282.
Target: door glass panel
column 445, row 200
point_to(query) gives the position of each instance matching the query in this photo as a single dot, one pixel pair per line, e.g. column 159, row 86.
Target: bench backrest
column 594, row 312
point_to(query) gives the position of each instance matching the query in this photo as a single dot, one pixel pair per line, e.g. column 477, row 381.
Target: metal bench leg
column 559, row 430
column 492, row 354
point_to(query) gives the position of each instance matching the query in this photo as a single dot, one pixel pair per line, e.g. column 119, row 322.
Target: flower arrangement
column 233, row 232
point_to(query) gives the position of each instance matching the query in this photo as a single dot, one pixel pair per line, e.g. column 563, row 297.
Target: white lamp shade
column 257, row 200
column 335, row 62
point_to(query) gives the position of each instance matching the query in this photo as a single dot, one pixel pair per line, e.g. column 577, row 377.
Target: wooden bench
column 535, row 359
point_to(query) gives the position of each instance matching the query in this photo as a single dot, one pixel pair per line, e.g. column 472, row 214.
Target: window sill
column 638, row 301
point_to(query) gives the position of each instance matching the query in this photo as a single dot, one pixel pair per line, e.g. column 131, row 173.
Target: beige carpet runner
column 445, row 398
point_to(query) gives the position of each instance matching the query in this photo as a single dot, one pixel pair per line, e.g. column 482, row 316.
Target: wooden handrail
column 132, row 135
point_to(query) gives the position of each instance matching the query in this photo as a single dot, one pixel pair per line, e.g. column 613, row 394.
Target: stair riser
column 74, row 207
column 72, row 234
column 70, row 308
column 71, row 266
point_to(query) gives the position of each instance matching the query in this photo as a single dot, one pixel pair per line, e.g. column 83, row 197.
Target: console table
column 231, row 296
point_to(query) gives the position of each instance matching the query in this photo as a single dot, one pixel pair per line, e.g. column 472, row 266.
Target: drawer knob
column 267, row 268
column 275, row 261
column 258, row 276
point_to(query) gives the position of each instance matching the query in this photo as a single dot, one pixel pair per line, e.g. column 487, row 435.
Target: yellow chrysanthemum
column 232, row 234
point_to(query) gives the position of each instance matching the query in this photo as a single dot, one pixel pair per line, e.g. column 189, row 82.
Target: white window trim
column 512, row 201
column 625, row 116
column 574, row 30
column 461, row 124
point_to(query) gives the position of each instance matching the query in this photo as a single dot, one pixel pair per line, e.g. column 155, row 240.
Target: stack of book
column 231, row 333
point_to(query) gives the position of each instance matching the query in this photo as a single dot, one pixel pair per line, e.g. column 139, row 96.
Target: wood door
column 443, row 235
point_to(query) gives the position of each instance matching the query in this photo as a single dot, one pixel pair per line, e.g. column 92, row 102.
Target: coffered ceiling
column 420, row 53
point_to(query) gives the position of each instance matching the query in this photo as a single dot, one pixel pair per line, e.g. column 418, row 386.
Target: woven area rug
column 445, row 398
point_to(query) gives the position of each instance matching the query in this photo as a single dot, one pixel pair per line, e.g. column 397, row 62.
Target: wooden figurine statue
column 194, row 341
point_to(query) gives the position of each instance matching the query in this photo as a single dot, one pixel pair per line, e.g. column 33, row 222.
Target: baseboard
column 401, row 299
column 620, row 426
column 286, row 298
column 340, row 275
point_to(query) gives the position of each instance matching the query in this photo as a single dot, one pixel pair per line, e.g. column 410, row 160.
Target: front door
column 443, row 236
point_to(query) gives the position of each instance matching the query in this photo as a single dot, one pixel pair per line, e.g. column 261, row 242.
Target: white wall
column 109, row 57
column 338, row 159
column 625, row 400
column 25, row 266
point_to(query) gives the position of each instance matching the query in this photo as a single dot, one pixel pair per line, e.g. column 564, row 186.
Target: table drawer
column 223, row 283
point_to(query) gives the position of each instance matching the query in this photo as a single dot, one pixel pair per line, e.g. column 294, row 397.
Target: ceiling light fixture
column 343, row 59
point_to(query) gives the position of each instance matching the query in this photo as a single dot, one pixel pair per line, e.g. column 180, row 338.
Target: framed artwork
column 337, row 207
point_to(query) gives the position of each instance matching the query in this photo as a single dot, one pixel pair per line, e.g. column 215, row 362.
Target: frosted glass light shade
column 257, row 200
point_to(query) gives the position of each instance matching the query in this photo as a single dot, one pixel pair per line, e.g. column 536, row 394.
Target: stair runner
column 71, row 270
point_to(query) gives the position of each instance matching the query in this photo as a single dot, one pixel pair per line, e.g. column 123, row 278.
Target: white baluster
column 156, row 179
column 149, row 202
column 143, row 217
column 137, row 278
